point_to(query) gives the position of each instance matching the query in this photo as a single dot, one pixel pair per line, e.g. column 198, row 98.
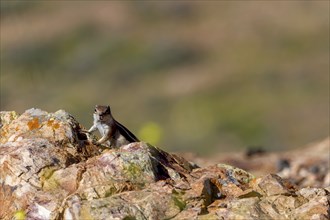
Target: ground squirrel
column 113, row 133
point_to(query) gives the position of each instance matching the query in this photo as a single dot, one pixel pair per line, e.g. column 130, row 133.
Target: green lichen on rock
column 179, row 202
column 133, row 171
column 48, row 181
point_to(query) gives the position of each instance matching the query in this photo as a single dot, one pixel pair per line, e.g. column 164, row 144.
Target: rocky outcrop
column 48, row 170
column 305, row 166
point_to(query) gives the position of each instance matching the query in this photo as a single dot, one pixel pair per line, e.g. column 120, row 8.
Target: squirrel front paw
column 85, row 131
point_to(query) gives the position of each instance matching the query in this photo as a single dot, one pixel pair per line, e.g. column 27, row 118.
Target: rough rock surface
column 306, row 166
column 48, row 170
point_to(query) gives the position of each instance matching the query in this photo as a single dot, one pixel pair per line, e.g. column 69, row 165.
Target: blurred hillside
column 183, row 75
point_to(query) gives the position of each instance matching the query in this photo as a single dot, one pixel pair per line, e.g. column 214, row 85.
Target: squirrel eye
column 95, row 110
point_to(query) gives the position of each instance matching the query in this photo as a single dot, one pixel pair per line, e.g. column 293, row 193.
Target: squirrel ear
column 108, row 110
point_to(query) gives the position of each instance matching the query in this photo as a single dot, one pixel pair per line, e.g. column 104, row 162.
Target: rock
column 33, row 146
column 151, row 203
column 6, row 117
column 48, row 170
column 305, row 166
column 271, row 185
column 310, row 166
column 295, row 206
column 317, row 206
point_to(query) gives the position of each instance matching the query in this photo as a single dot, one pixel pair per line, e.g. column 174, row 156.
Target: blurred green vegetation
column 188, row 76
column 152, row 132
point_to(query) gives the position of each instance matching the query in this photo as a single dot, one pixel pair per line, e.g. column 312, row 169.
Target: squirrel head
column 102, row 112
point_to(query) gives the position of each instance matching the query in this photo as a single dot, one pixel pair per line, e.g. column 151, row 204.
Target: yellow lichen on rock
column 33, row 124
column 51, row 123
column 47, row 180
column 20, row 215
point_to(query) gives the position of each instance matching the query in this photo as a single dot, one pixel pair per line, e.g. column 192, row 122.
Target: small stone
column 310, row 193
column 272, row 185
